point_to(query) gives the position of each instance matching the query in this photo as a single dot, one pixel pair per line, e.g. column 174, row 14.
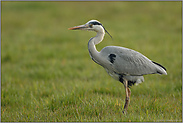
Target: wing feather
column 128, row 61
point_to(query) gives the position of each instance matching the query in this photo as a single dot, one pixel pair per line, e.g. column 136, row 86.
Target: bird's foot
column 124, row 112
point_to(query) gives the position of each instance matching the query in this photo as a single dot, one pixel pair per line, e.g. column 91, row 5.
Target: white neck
column 94, row 54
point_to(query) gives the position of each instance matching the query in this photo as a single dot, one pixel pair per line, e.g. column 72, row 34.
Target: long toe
column 124, row 112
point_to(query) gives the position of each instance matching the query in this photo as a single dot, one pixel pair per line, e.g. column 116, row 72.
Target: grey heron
column 123, row 64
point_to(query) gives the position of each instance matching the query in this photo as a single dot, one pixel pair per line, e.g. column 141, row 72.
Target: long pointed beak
column 80, row 27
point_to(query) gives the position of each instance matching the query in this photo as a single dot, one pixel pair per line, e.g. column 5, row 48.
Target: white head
column 92, row 25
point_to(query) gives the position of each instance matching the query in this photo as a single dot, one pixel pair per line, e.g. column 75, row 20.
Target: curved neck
column 98, row 38
column 94, row 54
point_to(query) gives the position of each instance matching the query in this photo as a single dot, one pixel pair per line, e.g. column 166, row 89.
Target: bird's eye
column 90, row 25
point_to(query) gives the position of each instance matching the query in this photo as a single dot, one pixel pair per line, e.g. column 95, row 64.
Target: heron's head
column 92, row 25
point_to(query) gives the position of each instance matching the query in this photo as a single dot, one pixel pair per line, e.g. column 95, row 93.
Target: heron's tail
column 160, row 68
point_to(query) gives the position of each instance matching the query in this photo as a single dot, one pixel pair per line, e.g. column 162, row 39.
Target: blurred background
column 46, row 67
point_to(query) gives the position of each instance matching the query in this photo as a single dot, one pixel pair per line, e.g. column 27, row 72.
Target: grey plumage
column 129, row 63
column 123, row 64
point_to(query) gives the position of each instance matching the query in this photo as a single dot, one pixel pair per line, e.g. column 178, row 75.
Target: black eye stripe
column 95, row 23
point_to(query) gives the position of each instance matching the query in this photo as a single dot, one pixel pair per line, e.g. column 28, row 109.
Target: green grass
column 47, row 74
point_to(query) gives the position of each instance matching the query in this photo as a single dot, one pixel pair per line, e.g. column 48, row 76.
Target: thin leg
column 128, row 94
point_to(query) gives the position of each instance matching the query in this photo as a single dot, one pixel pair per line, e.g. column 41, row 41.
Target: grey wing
column 126, row 61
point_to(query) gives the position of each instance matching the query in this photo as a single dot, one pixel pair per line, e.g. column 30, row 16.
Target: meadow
column 47, row 74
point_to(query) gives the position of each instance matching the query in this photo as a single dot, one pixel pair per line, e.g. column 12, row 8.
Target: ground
column 47, row 73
